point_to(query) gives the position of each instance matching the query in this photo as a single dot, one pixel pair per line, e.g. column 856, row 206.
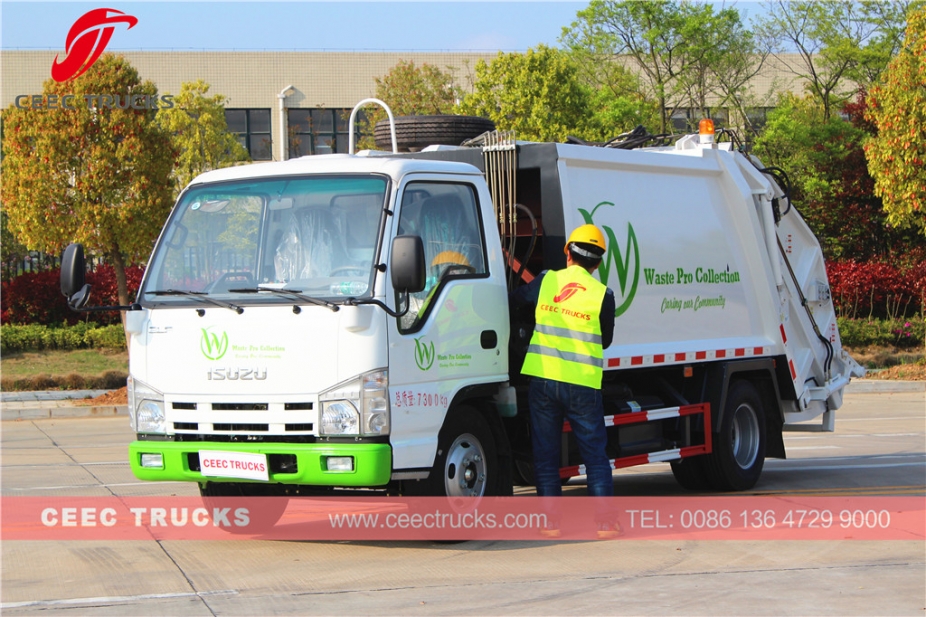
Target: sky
column 346, row 25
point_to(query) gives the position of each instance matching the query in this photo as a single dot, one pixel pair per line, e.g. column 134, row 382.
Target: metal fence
column 37, row 261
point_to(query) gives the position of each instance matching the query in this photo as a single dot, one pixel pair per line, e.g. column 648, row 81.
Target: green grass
column 69, row 370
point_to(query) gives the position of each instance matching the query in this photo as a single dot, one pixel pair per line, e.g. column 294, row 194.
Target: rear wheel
column 690, row 474
column 739, row 448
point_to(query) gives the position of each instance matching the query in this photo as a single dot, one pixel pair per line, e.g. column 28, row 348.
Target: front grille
column 297, row 406
column 237, row 438
column 240, row 407
column 238, row 428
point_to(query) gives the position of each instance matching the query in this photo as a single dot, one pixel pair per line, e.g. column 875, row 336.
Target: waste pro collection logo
column 424, row 354
column 85, row 43
column 87, row 40
column 212, row 344
column 625, row 265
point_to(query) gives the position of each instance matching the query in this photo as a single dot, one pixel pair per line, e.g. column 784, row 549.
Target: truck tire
column 467, row 463
column 412, row 133
column 739, row 447
column 270, row 511
column 691, row 474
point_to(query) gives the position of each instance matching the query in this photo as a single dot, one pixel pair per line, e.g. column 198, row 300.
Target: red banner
column 495, row 518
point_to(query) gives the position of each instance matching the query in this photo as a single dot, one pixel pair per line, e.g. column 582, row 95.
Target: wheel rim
column 465, row 469
column 745, row 436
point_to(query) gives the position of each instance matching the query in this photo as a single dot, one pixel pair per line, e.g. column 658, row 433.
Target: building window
column 680, row 123
column 757, row 117
column 687, row 120
column 319, row 131
column 252, row 128
column 720, row 117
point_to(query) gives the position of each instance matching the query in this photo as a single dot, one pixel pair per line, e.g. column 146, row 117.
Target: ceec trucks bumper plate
column 287, row 463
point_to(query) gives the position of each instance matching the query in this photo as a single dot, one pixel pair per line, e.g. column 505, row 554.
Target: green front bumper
column 372, row 462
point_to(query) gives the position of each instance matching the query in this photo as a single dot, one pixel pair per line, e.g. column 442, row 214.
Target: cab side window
column 446, row 217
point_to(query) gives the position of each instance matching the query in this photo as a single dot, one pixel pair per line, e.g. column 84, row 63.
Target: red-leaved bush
column 35, row 297
column 877, row 289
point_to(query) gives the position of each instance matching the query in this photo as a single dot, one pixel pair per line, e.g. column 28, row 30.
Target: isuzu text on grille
column 232, row 374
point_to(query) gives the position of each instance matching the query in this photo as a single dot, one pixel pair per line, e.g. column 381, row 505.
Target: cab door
column 455, row 333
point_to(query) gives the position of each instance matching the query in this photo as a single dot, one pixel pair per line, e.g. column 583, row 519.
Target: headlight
column 340, row 418
column 146, row 408
column 357, row 407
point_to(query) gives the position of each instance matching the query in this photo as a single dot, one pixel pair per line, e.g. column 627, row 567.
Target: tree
column 410, row 90
column 677, row 48
column 537, row 94
column 842, row 45
column 91, row 173
column 897, row 156
column 199, row 133
column 825, row 163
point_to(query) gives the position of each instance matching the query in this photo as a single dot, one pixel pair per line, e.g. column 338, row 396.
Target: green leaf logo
column 424, row 354
column 626, row 264
column 213, row 345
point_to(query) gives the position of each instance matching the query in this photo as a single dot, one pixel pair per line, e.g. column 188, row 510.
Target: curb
column 39, row 412
column 863, row 386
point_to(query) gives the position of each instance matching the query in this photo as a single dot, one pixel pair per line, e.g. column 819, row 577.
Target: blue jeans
column 550, row 402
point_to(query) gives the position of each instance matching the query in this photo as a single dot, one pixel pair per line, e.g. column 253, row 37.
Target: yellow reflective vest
column 566, row 344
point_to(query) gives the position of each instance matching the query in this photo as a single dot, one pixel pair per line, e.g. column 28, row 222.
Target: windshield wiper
column 199, row 295
column 292, row 293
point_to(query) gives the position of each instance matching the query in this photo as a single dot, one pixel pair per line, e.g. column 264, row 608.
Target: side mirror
column 408, row 269
column 73, row 276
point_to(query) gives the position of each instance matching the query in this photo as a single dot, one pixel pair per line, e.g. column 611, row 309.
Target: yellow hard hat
column 450, row 257
column 586, row 234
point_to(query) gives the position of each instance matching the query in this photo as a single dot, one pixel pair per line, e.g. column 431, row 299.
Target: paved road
column 879, row 448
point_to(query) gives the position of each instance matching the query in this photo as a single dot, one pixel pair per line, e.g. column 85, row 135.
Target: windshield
column 314, row 235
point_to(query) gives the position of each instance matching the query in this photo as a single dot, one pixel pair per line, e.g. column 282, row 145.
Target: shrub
column 15, row 337
column 35, row 297
column 877, row 290
column 899, row 333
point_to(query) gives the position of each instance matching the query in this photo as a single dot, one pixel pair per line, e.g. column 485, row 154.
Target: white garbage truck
column 342, row 322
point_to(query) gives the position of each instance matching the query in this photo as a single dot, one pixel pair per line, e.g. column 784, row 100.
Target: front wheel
column 739, row 448
column 467, row 462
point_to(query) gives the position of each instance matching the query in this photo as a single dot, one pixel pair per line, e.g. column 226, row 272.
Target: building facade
column 287, row 104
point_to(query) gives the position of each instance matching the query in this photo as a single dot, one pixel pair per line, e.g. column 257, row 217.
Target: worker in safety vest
column 574, row 323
